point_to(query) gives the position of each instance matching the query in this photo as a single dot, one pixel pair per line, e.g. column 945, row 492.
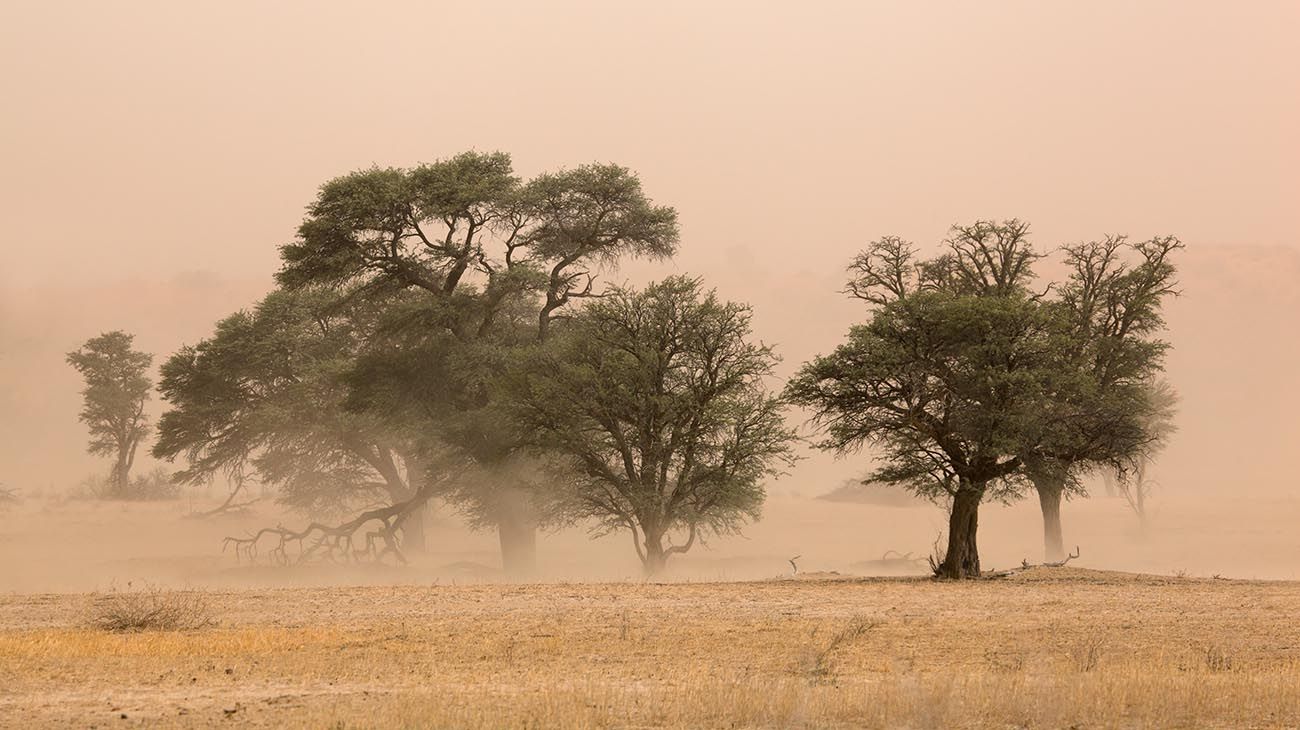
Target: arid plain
column 732, row 638
column 1059, row 647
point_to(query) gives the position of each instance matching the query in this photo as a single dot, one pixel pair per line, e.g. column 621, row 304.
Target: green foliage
column 950, row 387
column 971, row 383
column 432, row 226
column 264, row 397
column 485, row 261
column 962, row 358
column 654, row 405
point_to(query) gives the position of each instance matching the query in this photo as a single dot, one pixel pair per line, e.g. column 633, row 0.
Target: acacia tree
column 1109, row 415
column 951, row 377
column 117, row 386
column 264, row 398
column 478, row 248
column 1135, row 484
column 654, row 405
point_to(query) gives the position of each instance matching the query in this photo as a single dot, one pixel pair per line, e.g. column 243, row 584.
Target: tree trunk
column 518, row 547
column 517, row 521
column 1108, row 479
column 962, row 559
column 119, row 481
column 1140, row 495
column 656, row 558
column 413, row 532
column 1049, row 499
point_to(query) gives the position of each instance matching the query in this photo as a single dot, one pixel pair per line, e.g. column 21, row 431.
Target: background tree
column 117, row 386
column 481, row 252
column 1103, row 416
column 1133, row 477
column 653, row 405
column 951, row 377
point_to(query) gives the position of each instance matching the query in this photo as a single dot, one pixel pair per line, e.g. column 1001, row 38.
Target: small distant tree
column 654, row 404
column 1159, row 407
column 117, row 386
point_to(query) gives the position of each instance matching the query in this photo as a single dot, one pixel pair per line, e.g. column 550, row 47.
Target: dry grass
column 1044, row 649
column 150, row 608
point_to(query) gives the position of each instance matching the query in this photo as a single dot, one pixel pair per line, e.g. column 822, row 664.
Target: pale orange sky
column 164, row 137
column 155, row 154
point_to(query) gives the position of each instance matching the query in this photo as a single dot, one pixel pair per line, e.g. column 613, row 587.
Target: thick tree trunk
column 1049, row 499
column 962, row 559
column 413, row 532
column 656, row 558
column 518, row 536
column 517, row 530
column 119, row 482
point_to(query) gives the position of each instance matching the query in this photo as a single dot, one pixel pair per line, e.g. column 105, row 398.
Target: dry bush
column 154, row 486
column 151, row 609
column 1086, row 655
column 935, row 558
column 1218, row 659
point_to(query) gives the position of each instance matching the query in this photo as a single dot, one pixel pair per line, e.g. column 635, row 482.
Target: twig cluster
column 151, row 609
column 344, row 542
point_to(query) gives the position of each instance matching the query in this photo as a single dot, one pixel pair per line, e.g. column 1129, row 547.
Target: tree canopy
column 970, row 381
column 653, row 403
column 265, row 396
column 117, row 387
column 465, row 264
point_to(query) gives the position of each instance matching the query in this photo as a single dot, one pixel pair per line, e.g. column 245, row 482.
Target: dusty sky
column 155, row 154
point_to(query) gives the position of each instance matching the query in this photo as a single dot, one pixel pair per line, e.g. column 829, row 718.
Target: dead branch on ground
column 343, row 542
column 1026, row 565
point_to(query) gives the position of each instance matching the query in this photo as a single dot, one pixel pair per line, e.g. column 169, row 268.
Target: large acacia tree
column 654, row 407
column 481, row 252
column 973, row 383
column 117, row 387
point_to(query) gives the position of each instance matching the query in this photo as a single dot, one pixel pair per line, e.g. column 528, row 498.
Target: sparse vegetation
column 818, row 658
column 150, row 608
column 156, row 485
column 788, row 653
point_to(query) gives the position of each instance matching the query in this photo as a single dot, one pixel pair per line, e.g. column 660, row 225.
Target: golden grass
column 1046, row 649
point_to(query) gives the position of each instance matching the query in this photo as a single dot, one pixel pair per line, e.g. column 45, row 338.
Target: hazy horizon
column 156, row 156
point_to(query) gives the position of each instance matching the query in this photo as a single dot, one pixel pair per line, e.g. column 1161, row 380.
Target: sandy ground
column 1045, row 648
column 728, row 639
column 71, row 545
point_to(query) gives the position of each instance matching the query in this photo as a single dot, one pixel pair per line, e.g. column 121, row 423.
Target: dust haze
column 156, row 156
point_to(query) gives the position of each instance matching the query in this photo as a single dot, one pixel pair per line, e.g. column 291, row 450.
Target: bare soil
column 1059, row 647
